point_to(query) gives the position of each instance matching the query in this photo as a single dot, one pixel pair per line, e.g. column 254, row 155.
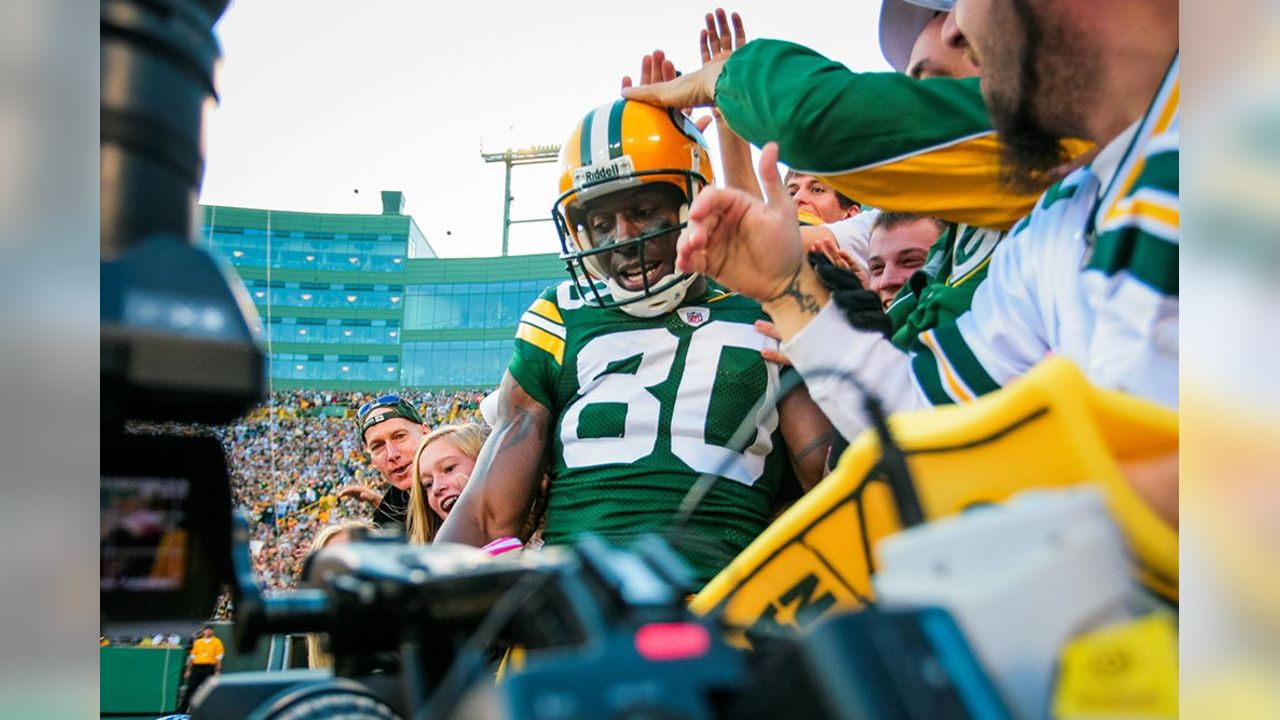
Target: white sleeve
column 837, row 361
column 853, row 235
column 1004, row 333
column 1131, row 282
column 998, row 339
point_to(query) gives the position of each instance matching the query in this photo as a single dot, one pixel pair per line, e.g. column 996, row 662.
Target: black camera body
column 176, row 338
column 582, row 632
column 604, row 632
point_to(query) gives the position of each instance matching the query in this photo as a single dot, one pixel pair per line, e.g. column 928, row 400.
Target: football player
column 637, row 380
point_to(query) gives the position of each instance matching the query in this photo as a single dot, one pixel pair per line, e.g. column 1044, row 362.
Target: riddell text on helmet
column 615, row 169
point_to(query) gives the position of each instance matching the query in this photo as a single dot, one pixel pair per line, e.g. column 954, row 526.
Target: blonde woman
column 441, row 469
column 331, row 535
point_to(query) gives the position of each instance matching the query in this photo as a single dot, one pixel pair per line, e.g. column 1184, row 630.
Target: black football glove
column 861, row 306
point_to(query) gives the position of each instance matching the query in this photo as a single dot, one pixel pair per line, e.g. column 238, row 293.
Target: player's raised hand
column 750, row 246
column 718, row 41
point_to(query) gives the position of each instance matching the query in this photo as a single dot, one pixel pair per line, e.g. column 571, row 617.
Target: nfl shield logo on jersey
column 694, row 316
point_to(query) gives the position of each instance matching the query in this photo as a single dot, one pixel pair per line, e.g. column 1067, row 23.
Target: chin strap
column 663, row 301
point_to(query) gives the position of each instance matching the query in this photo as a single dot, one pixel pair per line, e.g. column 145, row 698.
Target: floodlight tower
column 526, row 156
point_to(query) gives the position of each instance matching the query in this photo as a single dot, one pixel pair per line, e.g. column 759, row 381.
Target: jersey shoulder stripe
column 1141, row 240
column 542, row 325
column 928, row 378
column 540, row 346
column 547, row 309
column 960, row 375
column 1139, row 224
column 1154, row 194
column 953, row 388
column 536, row 320
column 1161, row 119
column 1152, row 210
column 542, row 340
column 1143, row 256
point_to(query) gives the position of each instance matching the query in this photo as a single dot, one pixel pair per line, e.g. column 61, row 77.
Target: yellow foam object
column 1128, row 670
column 808, row 218
column 1050, row 428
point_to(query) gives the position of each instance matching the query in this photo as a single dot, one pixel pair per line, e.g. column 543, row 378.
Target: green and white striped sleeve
column 885, row 139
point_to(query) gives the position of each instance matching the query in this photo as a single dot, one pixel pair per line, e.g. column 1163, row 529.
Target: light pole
column 525, row 156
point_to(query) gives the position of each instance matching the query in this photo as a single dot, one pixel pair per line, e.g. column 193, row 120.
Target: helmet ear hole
column 576, row 217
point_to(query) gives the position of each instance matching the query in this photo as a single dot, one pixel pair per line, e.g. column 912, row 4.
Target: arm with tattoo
column 798, row 302
column 808, row 434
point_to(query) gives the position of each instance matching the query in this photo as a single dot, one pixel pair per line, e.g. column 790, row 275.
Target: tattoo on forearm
column 807, row 302
column 520, row 427
column 508, row 435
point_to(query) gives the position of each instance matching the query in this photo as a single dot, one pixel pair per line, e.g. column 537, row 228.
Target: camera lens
column 157, row 61
column 337, row 698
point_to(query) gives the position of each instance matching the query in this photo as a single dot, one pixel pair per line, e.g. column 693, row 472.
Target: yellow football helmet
column 618, row 146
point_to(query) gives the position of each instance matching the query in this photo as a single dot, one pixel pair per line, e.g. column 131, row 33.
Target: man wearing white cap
column 912, row 40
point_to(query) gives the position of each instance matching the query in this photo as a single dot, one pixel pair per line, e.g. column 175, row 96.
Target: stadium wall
column 362, row 302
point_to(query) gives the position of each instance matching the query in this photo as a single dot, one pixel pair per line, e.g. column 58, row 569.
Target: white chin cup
column 663, row 301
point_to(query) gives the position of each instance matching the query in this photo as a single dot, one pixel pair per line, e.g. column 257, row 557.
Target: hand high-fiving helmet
column 618, row 146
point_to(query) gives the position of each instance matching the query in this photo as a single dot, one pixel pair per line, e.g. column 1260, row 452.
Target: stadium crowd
column 289, row 458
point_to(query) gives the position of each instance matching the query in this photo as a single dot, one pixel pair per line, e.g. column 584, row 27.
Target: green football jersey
column 643, row 407
column 942, row 290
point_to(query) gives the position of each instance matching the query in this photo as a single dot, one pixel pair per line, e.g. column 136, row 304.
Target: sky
column 324, row 104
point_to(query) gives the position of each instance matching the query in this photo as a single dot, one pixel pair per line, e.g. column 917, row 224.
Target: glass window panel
column 493, row 309
column 459, row 311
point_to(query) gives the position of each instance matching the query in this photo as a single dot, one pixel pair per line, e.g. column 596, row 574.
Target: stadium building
column 361, row 302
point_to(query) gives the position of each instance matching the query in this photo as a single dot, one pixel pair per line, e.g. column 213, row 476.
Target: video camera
column 412, row 630
column 604, row 632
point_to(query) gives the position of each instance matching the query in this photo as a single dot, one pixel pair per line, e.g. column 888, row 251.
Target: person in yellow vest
column 204, row 662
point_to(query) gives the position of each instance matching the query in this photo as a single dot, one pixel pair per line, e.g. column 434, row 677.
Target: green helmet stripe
column 584, row 143
column 615, row 129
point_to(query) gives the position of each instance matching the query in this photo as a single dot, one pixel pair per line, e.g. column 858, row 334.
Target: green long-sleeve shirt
column 885, row 139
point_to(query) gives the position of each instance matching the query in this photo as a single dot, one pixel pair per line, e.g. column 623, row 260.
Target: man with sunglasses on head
column 390, row 428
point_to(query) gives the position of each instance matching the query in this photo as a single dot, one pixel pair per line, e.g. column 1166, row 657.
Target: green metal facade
column 361, row 302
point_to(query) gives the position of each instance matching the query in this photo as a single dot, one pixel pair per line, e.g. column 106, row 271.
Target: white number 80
column 657, row 349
